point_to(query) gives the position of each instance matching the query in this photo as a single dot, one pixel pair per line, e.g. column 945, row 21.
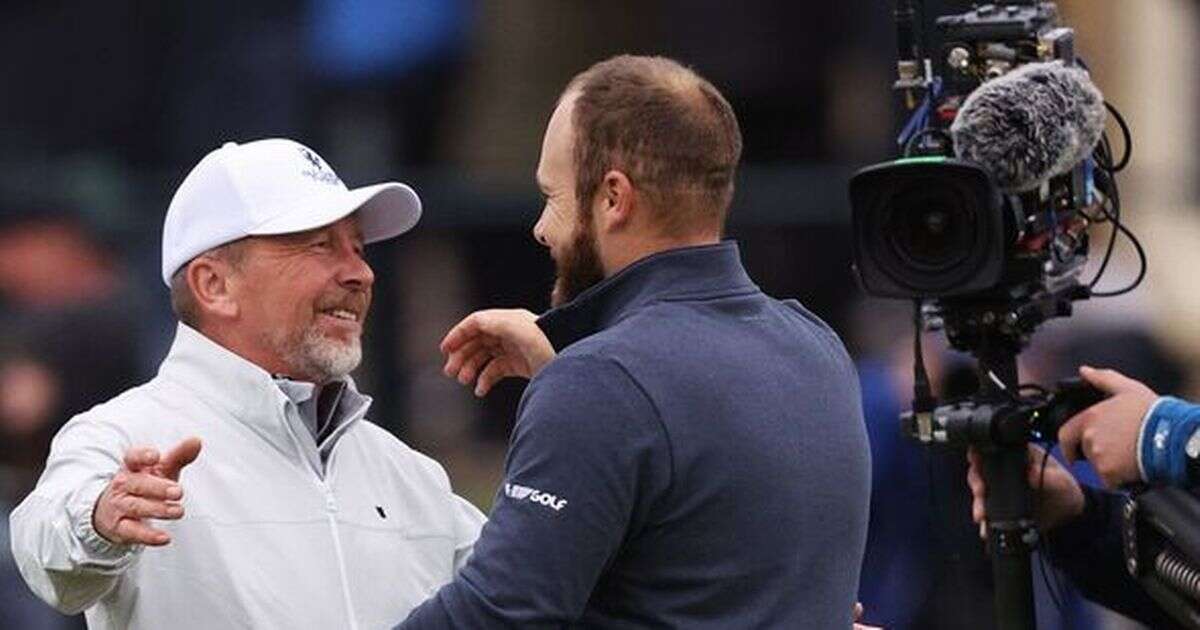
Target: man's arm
column 587, row 455
column 57, row 548
column 82, row 526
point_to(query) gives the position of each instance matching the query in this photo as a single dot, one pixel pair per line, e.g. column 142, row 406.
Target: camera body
column 932, row 227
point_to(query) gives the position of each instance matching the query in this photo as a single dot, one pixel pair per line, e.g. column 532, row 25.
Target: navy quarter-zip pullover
column 694, row 457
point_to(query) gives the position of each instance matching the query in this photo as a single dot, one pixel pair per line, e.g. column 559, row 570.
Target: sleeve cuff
column 1142, row 436
column 1163, row 440
column 97, row 551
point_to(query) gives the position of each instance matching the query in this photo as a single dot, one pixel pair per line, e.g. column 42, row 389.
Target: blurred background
column 106, row 106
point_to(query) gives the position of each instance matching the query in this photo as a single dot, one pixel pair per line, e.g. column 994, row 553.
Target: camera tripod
column 999, row 423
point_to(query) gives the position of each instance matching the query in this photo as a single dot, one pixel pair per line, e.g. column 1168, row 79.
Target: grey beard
column 319, row 357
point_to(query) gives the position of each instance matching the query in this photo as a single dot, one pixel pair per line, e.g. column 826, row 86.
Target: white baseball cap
column 273, row 186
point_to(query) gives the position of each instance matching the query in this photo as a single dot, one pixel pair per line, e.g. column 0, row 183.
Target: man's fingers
column 975, row 480
column 461, row 333
column 133, row 531
column 495, row 371
column 457, row 356
column 183, row 454
column 151, row 487
column 139, row 508
column 473, row 364
column 1070, row 433
column 1107, row 381
column 140, row 457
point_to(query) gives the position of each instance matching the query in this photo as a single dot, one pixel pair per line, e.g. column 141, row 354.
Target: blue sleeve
column 1163, row 441
column 587, row 458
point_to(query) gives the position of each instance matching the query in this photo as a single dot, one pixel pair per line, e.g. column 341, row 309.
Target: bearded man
column 695, row 455
column 300, row 513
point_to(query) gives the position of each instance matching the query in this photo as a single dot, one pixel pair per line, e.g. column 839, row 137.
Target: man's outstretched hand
column 146, row 487
column 491, row 345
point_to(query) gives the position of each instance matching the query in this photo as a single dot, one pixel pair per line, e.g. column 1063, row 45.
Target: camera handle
column 1012, row 533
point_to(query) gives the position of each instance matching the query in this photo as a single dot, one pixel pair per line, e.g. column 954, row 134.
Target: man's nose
column 539, row 230
column 356, row 272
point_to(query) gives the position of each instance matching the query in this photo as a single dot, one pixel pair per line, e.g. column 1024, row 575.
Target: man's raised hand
column 491, row 345
column 146, row 487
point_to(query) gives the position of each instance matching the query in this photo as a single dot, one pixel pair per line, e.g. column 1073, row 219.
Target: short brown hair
column 668, row 129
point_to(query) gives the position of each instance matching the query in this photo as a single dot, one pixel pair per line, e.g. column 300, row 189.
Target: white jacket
column 267, row 541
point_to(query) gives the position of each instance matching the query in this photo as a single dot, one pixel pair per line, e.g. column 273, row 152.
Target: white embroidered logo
column 525, row 493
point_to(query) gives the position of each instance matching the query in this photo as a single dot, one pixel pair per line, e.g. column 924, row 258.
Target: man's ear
column 616, row 201
column 214, row 286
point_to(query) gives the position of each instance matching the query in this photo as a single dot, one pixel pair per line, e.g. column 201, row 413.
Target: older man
column 695, row 455
column 299, row 513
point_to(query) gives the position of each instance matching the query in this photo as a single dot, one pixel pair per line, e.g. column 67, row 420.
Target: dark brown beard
column 579, row 267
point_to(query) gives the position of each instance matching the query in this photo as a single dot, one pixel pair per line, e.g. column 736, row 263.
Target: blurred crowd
column 107, row 104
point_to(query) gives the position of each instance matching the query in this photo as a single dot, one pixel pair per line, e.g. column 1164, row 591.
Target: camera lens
column 927, row 227
column 931, row 226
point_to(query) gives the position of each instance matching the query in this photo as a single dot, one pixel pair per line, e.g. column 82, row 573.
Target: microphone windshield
column 1030, row 125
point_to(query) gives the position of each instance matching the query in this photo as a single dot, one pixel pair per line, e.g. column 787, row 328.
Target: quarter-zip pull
column 330, row 501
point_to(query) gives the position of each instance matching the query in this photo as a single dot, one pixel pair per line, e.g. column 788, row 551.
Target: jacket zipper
column 330, row 512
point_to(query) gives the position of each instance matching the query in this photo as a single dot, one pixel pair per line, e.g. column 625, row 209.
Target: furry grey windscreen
column 1032, row 124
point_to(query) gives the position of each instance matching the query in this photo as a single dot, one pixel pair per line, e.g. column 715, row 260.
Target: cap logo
column 318, row 170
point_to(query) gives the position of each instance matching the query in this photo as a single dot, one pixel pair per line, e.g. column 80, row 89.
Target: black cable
column 1126, row 137
column 1112, row 197
column 1111, row 208
column 1142, row 265
column 1115, row 217
column 1043, row 542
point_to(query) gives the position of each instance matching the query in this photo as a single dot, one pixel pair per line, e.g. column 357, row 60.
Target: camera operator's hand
column 491, row 345
column 1107, row 432
column 1061, row 498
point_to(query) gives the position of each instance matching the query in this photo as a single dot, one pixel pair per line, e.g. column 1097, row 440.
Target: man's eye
column 321, row 244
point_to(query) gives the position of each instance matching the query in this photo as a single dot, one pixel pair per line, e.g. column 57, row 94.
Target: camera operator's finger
column 1109, row 381
column 975, row 483
column 1070, row 434
column 1034, row 471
